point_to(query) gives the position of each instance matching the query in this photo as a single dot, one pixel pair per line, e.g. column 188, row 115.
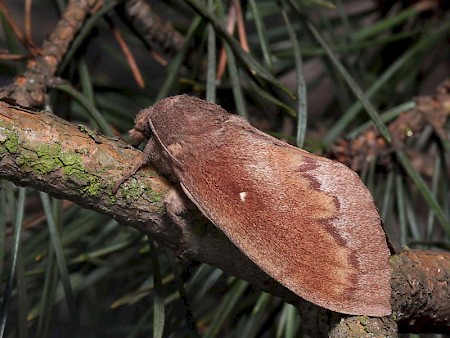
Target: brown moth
column 307, row 221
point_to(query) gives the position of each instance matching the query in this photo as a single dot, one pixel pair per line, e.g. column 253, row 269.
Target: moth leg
column 139, row 162
column 179, row 209
column 177, row 204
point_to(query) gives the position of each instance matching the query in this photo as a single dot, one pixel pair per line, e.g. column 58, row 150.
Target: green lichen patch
column 112, row 199
column 46, row 158
column 152, row 195
column 132, row 190
column 9, row 142
column 94, row 188
column 48, row 150
column 41, row 160
column 73, row 167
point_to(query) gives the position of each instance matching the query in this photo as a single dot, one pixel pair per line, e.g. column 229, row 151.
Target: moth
column 307, row 221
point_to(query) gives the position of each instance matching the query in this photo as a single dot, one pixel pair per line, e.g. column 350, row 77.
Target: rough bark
column 421, row 291
column 40, row 150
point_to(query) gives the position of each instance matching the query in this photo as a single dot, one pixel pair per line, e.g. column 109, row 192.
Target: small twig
column 153, row 28
column 431, row 110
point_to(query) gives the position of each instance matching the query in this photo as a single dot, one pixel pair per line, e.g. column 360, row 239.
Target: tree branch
column 40, row 150
column 30, row 87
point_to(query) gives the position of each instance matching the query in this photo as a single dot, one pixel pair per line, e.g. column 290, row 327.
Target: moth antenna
column 141, row 160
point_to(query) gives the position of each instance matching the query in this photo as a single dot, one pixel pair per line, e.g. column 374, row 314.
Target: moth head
column 180, row 118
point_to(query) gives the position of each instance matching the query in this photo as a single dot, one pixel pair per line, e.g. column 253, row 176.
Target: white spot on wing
column 243, row 195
